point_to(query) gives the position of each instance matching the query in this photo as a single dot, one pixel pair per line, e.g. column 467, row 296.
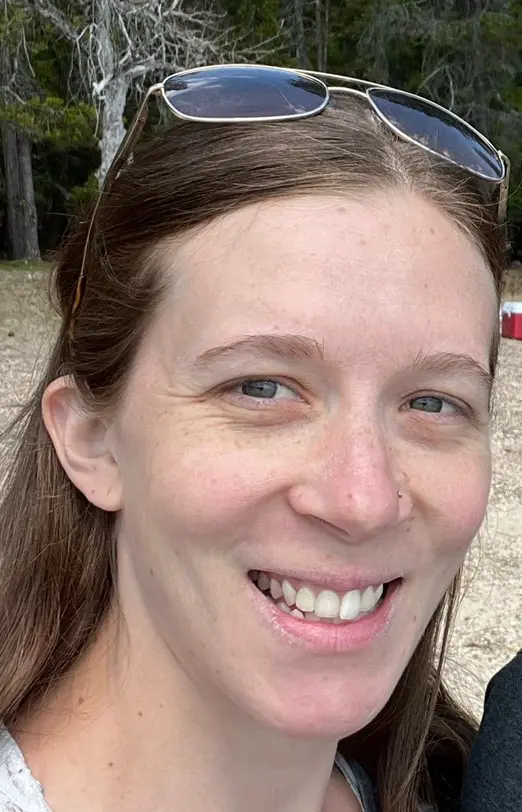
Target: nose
column 352, row 482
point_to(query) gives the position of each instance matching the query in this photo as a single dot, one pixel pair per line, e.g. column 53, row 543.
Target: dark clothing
column 493, row 781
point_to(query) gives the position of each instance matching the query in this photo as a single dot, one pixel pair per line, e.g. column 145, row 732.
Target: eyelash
column 233, row 386
column 462, row 411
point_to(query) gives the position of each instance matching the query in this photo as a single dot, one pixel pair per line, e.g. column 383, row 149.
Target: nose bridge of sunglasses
column 352, row 91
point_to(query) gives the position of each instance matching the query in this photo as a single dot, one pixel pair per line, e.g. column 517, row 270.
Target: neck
column 130, row 716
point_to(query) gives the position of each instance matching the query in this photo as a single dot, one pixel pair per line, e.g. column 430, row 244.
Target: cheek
column 468, row 507
column 201, row 481
column 459, row 500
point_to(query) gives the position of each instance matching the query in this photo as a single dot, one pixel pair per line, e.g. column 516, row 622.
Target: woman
column 233, row 526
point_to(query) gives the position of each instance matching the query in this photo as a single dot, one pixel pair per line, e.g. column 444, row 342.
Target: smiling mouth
column 320, row 605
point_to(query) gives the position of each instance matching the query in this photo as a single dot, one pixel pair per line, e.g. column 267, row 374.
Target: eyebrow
column 288, row 347
column 303, row 348
column 449, row 362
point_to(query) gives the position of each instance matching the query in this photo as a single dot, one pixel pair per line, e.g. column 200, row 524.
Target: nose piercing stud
column 399, row 494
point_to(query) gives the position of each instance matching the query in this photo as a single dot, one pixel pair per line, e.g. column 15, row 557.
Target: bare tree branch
column 48, row 11
column 117, row 44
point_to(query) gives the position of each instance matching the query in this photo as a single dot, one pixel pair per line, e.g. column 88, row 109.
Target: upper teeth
column 325, row 604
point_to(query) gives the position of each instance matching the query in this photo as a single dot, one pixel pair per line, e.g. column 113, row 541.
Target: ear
column 82, row 443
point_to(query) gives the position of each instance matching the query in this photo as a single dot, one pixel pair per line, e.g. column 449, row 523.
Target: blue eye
column 266, row 389
column 259, row 389
column 433, row 405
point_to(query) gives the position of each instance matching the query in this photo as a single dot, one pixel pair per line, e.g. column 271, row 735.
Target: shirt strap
column 359, row 782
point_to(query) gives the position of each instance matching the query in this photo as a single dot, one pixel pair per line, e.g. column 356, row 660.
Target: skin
column 211, row 483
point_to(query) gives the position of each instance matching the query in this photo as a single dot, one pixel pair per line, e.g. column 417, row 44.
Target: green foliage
column 258, row 22
column 49, row 118
column 464, row 55
column 39, row 66
column 82, row 197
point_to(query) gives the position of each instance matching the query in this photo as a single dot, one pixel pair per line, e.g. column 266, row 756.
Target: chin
column 321, row 725
column 332, row 712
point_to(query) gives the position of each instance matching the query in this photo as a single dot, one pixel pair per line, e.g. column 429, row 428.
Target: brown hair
column 56, row 548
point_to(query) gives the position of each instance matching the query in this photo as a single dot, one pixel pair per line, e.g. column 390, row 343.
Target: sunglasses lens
column 244, row 92
column 439, row 131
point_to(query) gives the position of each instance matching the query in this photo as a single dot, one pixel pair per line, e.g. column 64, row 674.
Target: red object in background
column 512, row 320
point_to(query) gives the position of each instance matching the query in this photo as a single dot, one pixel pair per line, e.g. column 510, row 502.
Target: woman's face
column 312, row 358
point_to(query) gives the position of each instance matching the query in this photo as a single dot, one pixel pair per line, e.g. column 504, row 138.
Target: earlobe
column 81, row 442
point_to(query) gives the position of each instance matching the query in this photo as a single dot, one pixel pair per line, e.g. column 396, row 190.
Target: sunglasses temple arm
column 504, row 188
column 125, row 150
column 131, row 139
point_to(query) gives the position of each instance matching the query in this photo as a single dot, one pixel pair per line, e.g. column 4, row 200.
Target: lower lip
column 329, row 637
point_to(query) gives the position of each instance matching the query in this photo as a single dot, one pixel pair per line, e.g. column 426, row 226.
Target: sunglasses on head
column 255, row 93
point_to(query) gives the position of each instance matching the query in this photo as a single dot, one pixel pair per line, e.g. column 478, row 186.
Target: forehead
column 324, row 264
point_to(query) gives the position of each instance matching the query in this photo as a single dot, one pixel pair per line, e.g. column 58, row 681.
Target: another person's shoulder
column 507, row 679
column 502, row 721
column 493, row 781
column 19, row 791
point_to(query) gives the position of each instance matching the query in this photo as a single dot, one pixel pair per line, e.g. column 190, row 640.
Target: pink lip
column 325, row 637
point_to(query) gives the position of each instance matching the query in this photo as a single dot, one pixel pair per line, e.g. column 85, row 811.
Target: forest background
column 73, row 71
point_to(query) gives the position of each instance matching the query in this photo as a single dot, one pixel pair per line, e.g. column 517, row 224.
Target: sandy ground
column 487, row 633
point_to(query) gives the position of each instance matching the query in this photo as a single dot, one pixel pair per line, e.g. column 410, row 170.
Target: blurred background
column 73, row 71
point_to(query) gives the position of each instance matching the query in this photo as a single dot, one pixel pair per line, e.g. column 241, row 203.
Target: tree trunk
column 114, row 92
column 326, row 33
column 22, row 225
column 299, row 34
column 113, row 130
column 15, row 226
column 29, row 216
column 11, row 168
column 322, row 14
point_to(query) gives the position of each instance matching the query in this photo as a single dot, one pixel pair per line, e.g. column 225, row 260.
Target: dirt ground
column 487, row 633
